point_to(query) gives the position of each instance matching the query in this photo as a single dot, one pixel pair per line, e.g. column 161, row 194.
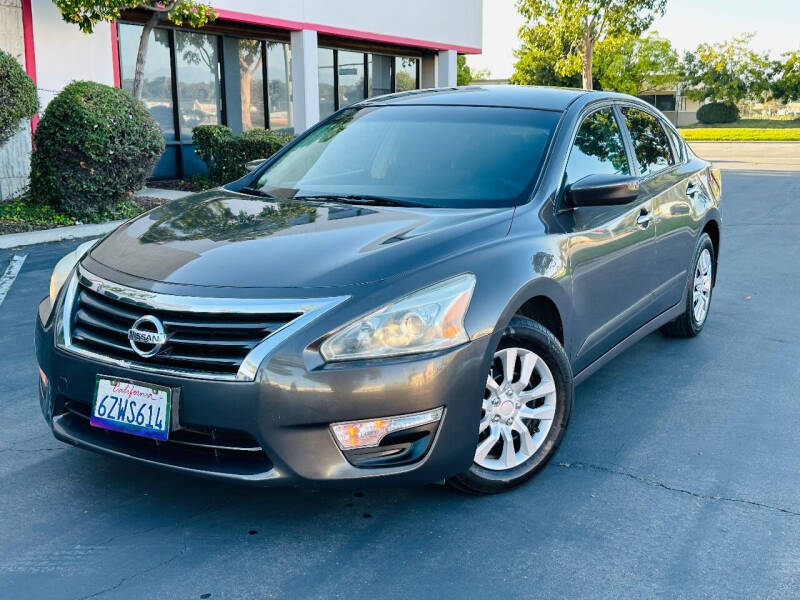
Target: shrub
column 18, row 98
column 718, row 112
column 226, row 155
column 94, row 147
column 206, row 138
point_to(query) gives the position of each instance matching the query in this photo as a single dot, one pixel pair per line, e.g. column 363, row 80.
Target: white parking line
column 7, row 280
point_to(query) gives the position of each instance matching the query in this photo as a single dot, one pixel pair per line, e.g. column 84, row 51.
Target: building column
column 428, row 71
column 305, row 79
column 448, row 71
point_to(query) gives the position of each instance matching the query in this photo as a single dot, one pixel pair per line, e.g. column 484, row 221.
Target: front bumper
column 286, row 411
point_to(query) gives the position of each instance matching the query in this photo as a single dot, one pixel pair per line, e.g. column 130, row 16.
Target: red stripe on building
column 115, row 55
column 232, row 15
column 30, row 52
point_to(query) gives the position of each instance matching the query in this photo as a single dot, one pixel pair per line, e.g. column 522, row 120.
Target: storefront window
column 197, row 68
column 351, row 77
column 157, row 85
column 405, row 77
column 327, row 93
column 380, row 74
column 251, row 82
column 279, row 85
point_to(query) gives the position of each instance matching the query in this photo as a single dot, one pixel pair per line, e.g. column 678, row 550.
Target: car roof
column 514, row 96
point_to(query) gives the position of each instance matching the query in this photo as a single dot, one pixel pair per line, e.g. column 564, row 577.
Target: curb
column 58, row 234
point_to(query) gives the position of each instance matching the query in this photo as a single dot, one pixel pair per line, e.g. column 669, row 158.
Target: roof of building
column 517, row 96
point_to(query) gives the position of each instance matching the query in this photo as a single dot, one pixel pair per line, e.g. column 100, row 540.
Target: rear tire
column 698, row 295
column 526, row 409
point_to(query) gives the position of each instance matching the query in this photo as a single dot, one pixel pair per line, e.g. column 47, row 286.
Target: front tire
column 525, row 411
column 698, row 297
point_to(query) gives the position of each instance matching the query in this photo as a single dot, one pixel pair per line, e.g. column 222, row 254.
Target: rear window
column 445, row 156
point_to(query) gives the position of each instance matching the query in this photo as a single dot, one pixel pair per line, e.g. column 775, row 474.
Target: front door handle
column 644, row 218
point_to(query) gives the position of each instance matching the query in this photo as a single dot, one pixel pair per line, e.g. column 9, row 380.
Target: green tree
column 786, row 85
column 536, row 61
column 466, row 75
column 580, row 25
column 727, row 72
column 631, row 65
column 87, row 13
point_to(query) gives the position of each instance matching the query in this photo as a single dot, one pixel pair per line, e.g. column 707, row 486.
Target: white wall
column 14, row 164
column 455, row 22
column 64, row 53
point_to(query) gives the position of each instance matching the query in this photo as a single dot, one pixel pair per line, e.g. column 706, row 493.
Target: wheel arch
column 545, row 301
column 713, row 230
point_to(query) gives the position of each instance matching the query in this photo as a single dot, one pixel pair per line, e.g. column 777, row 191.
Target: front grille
column 208, row 343
column 194, row 447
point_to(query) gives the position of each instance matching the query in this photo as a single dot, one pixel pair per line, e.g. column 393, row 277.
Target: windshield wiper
column 359, row 199
column 257, row 192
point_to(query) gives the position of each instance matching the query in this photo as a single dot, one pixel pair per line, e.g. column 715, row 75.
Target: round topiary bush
column 94, row 147
column 718, row 112
column 18, row 98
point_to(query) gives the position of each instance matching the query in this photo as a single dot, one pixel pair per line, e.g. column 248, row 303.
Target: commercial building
column 279, row 64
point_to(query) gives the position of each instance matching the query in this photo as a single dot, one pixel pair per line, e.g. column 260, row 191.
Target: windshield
column 444, row 156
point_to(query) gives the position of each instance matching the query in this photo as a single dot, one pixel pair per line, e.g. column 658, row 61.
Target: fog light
column 369, row 433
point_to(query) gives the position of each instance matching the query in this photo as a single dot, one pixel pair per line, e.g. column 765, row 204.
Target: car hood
column 226, row 239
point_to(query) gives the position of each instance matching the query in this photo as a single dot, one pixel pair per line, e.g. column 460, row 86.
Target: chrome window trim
column 309, row 309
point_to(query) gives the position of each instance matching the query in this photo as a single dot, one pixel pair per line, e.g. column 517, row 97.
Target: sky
column 686, row 23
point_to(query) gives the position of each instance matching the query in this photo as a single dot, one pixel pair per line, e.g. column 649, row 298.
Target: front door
column 610, row 247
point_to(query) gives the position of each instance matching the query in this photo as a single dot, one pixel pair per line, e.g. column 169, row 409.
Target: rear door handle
column 644, row 218
column 691, row 190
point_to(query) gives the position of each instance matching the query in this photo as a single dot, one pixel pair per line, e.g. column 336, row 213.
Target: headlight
column 64, row 268
column 427, row 320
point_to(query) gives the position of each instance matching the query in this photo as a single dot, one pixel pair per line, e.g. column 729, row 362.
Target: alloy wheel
column 519, row 405
column 701, row 294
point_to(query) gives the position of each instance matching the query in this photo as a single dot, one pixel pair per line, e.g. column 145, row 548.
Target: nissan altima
column 406, row 293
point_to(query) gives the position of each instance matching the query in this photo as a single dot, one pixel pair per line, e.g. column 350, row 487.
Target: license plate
column 132, row 407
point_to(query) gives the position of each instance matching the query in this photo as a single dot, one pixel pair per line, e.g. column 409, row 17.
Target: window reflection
column 351, row 77
column 279, row 85
column 598, row 148
column 157, row 85
column 198, row 80
column 251, row 80
column 649, row 140
column 405, row 77
column 380, row 74
column 327, row 95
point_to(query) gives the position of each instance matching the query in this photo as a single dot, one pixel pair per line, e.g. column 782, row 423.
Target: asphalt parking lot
column 678, row 478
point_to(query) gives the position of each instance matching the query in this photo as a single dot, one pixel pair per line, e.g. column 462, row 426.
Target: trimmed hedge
column 718, row 112
column 18, row 97
column 206, row 138
column 94, row 147
column 226, row 154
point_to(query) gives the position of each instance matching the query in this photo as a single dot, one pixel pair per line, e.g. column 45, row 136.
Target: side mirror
column 603, row 190
column 252, row 165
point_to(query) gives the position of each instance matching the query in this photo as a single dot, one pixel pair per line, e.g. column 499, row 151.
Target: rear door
column 669, row 187
column 611, row 247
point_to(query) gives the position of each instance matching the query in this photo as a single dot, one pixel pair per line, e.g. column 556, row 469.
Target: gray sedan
column 407, row 293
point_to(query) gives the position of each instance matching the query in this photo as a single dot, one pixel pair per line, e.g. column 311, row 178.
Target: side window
column 598, row 148
column 650, row 142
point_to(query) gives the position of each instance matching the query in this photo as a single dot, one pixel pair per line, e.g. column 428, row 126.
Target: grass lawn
column 741, row 134
column 745, row 130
